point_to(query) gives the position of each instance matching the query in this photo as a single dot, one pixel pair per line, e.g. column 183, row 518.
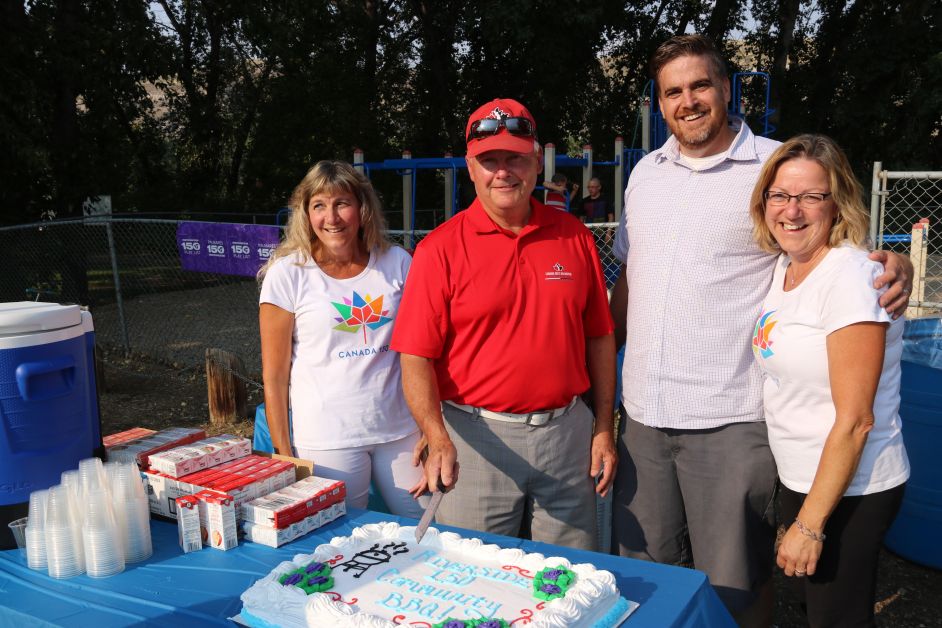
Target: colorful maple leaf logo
column 361, row 313
column 761, row 342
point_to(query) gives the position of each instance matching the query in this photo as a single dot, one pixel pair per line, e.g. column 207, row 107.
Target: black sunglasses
column 491, row 126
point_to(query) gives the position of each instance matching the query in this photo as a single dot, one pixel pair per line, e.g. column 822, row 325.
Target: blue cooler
column 48, row 400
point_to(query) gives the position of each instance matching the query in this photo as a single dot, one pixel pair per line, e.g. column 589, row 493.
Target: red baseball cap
column 498, row 109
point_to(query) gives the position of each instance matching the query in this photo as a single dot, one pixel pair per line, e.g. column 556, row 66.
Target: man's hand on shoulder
column 898, row 276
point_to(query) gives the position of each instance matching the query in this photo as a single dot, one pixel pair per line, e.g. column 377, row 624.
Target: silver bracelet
column 819, row 537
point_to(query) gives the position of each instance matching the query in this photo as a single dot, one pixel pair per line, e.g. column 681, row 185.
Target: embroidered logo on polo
column 361, row 313
column 761, row 341
column 558, row 273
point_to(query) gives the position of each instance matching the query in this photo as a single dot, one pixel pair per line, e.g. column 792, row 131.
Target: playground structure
column 654, row 133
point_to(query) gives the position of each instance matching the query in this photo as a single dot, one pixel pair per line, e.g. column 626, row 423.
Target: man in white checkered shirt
column 696, row 479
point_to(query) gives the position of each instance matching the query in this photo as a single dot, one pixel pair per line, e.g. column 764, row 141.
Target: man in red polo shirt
column 504, row 318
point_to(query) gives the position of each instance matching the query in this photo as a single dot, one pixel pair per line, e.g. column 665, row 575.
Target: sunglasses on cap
column 491, row 126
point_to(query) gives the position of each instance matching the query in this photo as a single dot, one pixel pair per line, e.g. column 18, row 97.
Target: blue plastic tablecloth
column 203, row 588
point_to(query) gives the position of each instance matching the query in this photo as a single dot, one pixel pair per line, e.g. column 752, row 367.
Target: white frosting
column 455, row 577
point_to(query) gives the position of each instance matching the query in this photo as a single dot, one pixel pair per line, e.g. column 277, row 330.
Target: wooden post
column 226, row 390
column 918, row 251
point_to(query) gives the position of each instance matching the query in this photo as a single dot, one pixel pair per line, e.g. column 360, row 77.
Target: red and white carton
column 140, row 450
column 134, row 433
column 218, row 516
column 276, row 537
column 295, row 502
column 200, row 455
column 188, row 523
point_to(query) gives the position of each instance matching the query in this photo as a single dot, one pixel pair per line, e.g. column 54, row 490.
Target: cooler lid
column 24, row 317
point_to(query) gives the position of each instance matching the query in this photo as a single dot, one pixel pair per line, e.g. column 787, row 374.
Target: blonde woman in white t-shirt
column 329, row 298
column 831, row 359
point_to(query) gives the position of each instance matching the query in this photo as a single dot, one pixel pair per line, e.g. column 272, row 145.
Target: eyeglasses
column 805, row 199
column 491, row 126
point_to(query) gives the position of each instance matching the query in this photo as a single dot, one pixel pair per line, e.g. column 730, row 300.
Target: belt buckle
column 538, row 419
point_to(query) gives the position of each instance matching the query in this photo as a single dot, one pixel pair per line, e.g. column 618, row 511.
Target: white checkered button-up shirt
column 696, row 282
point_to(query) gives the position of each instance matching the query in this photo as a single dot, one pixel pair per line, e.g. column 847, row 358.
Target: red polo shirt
column 505, row 316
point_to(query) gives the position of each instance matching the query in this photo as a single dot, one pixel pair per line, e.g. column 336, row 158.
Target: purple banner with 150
column 226, row 249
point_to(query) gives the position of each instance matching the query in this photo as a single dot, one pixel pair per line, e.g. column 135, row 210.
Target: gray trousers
column 700, row 498
column 515, row 476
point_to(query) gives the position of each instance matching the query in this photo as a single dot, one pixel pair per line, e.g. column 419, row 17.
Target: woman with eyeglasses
column 831, row 360
column 329, row 297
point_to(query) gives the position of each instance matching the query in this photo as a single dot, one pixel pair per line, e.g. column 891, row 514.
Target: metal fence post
column 875, row 204
column 117, row 288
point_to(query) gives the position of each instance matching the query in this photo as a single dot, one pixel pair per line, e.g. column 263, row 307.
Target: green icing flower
column 552, row 582
column 312, row 578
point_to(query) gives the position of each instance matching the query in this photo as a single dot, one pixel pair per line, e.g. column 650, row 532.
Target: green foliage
column 199, row 105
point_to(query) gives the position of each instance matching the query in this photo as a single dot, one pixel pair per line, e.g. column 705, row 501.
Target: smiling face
column 504, row 180
column 801, row 232
column 335, row 219
column 693, row 98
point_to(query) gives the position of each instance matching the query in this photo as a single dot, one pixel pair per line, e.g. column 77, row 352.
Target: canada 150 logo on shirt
column 761, row 338
column 558, row 273
column 361, row 313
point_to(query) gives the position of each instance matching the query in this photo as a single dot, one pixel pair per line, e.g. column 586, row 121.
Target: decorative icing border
column 591, row 585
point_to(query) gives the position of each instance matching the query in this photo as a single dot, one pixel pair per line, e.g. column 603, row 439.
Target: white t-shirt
column 346, row 388
column 789, row 343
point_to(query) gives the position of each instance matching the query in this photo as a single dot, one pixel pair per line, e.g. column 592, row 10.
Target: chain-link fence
column 142, row 300
column 906, row 217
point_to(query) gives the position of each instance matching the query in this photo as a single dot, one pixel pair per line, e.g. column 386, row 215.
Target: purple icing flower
column 317, row 580
column 454, row 623
column 292, row 579
column 490, row 623
column 552, row 574
column 551, row 589
column 314, row 567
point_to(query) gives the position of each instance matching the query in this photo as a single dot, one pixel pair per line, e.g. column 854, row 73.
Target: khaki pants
column 517, row 476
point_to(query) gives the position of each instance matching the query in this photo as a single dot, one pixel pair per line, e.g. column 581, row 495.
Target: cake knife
column 433, row 504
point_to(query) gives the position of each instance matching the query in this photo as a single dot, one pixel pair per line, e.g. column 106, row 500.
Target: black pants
column 843, row 588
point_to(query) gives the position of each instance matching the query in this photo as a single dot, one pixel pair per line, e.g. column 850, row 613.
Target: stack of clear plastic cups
column 64, row 555
column 104, row 551
column 36, row 531
column 71, row 480
column 129, row 497
column 92, row 476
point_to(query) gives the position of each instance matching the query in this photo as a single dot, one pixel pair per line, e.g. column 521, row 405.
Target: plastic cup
column 64, row 550
column 36, row 548
column 18, row 528
column 37, row 508
column 104, row 546
column 35, row 530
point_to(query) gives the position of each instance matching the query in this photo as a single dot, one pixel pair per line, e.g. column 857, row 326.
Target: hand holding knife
column 438, row 492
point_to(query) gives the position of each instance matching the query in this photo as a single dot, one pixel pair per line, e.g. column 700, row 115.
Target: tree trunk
column 788, row 14
column 225, row 386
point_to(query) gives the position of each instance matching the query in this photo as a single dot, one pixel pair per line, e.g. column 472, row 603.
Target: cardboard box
column 232, row 477
column 189, row 531
column 303, row 468
column 134, row 433
column 140, row 450
column 218, row 517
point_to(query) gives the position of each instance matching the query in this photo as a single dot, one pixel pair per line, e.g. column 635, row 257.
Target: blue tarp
column 922, row 342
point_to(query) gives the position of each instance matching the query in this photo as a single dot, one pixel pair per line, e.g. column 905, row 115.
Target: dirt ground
column 141, row 394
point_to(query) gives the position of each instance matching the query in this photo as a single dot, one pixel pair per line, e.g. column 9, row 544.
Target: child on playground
column 556, row 191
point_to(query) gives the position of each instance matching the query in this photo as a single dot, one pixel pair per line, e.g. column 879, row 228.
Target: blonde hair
column 329, row 177
column 852, row 222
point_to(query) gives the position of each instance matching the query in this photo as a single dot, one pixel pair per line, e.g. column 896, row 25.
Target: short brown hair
column 687, row 46
column 852, row 223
